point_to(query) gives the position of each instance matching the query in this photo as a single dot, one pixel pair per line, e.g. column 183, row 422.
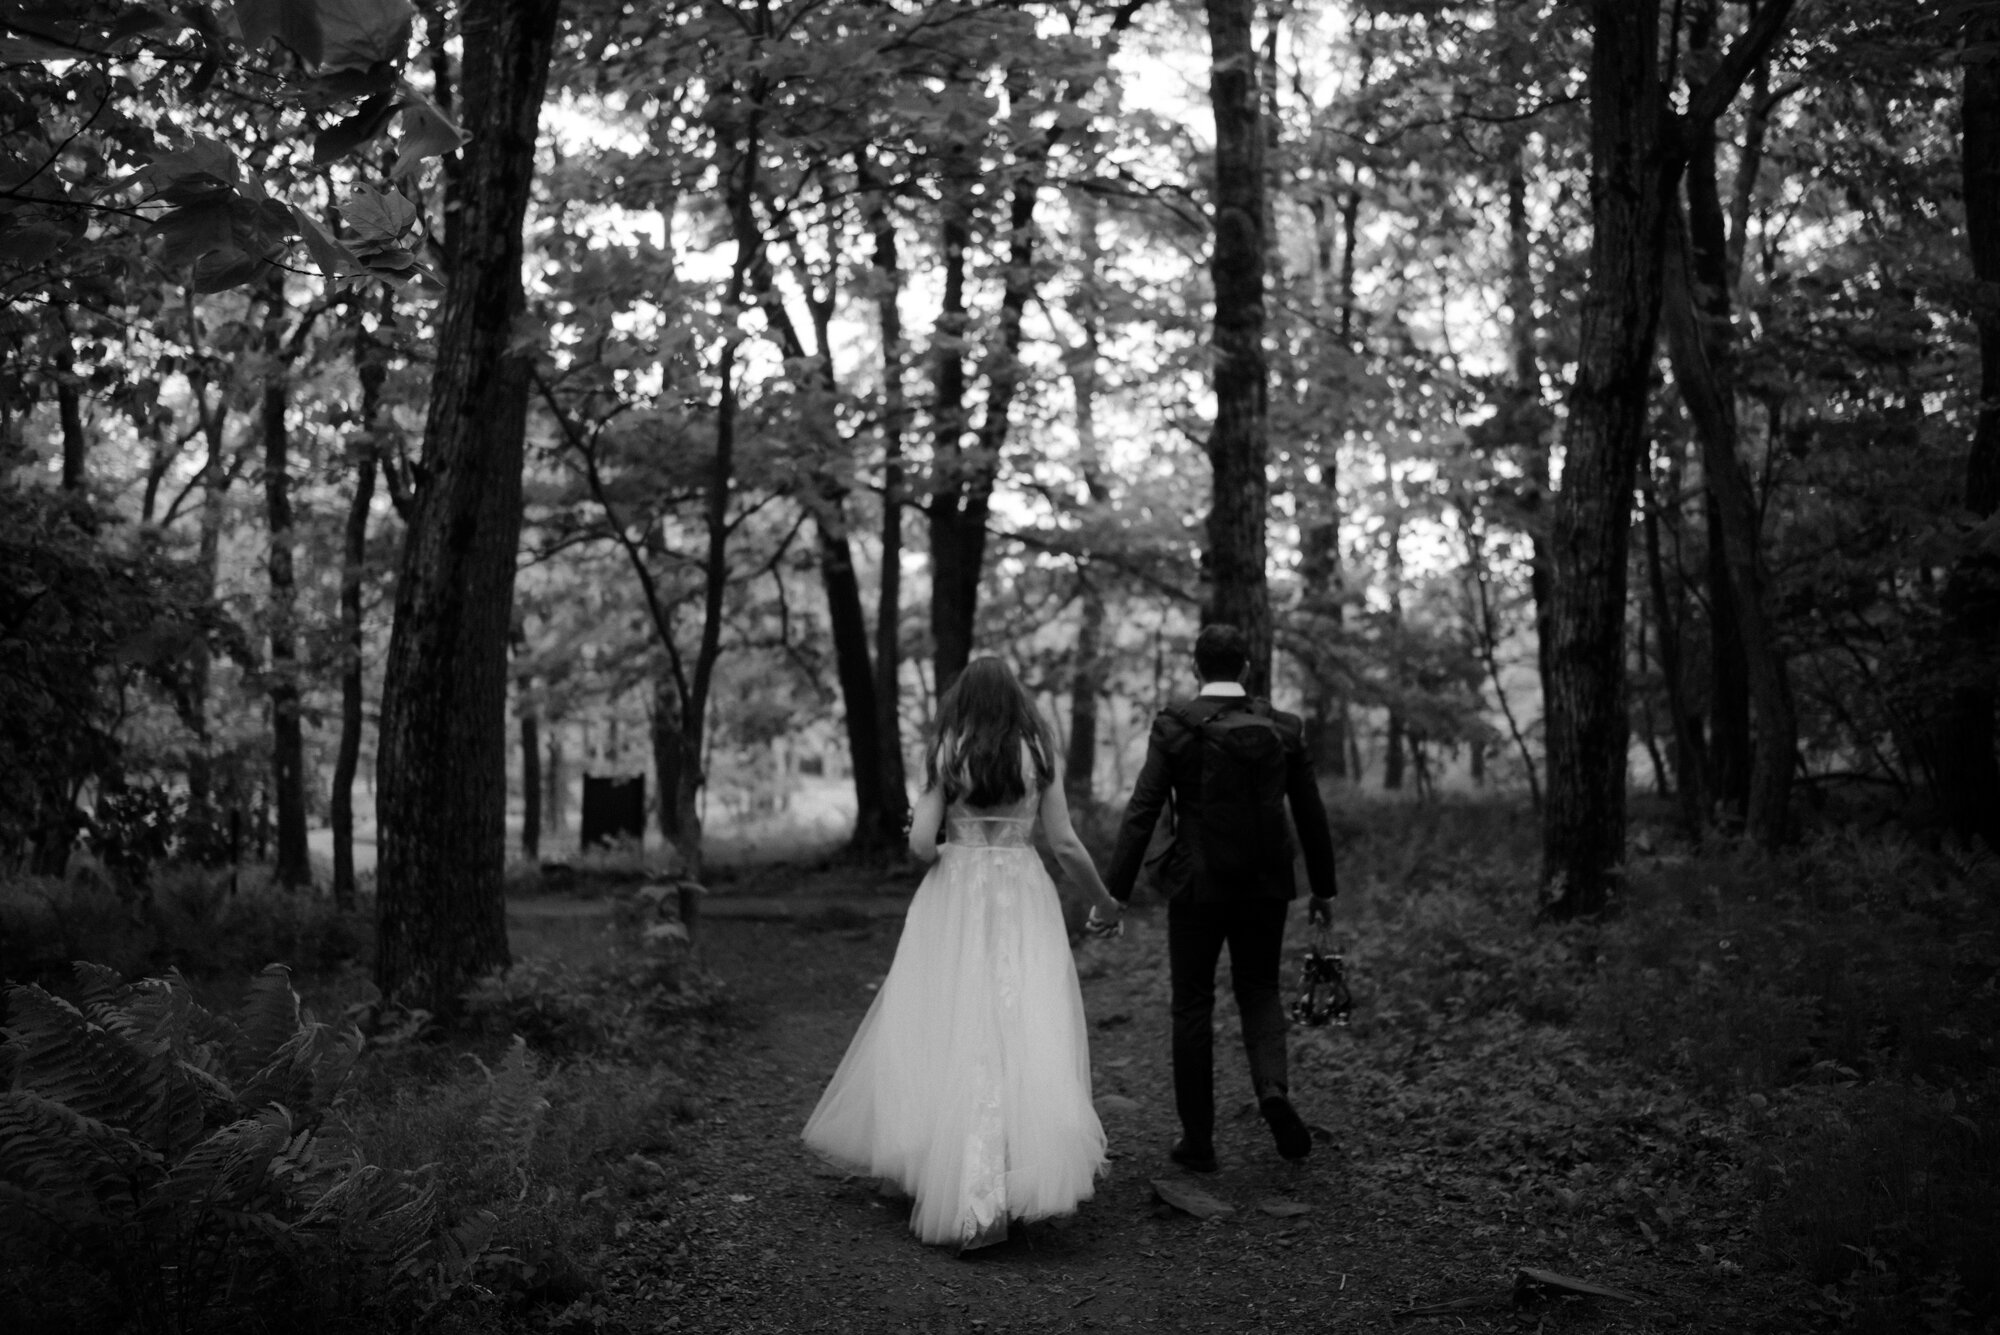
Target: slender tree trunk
column 1690, row 767
column 1234, row 560
column 1729, row 744
column 555, row 812
column 1702, row 357
column 372, row 370
column 1088, row 668
column 441, row 915
column 531, row 771
column 69, row 411
column 214, row 420
column 889, row 602
column 1967, row 770
column 1529, row 415
column 950, row 625
column 288, row 778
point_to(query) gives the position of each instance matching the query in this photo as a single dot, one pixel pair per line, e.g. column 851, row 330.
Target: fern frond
column 49, row 1147
column 305, row 1072
column 99, row 1072
column 99, row 990
column 514, row 1107
column 267, row 1020
column 230, row 1168
column 389, row 1214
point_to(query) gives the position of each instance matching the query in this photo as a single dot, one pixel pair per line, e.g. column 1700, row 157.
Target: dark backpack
column 1238, row 830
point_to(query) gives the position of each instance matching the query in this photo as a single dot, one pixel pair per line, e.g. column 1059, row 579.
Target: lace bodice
column 991, row 827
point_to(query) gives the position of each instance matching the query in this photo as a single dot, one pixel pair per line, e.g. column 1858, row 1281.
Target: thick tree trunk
column 288, row 778
column 441, row 915
column 1233, row 563
column 1967, row 770
column 1603, row 441
column 1637, row 150
column 874, row 828
column 372, row 371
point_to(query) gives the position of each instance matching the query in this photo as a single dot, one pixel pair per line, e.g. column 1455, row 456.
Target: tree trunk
column 959, row 509
column 69, row 411
column 555, row 814
column 1967, row 772
column 1529, row 416
column 441, row 914
column 1729, row 747
column 951, row 623
column 531, row 772
column 875, row 829
column 372, row 369
column 1637, row 150
column 889, row 602
column 293, row 866
column 1088, row 667
column 1234, row 560
column 1603, row 441
column 1702, row 358
column 1690, row 763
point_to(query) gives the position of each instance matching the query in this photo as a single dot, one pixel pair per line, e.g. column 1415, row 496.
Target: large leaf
column 334, row 260
column 378, row 217
column 369, row 120
column 361, row 33
column 427, row 133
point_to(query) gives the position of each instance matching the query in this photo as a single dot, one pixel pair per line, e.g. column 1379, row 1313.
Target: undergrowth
column 1784, row 1065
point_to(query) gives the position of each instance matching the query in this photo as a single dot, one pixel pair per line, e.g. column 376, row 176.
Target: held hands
column 1105, row 921
column 1319, row 912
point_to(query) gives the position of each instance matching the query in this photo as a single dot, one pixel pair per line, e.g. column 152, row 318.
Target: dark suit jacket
column 1173, row 764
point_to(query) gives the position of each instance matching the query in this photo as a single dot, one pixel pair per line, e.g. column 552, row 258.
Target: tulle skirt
column 968, row 1083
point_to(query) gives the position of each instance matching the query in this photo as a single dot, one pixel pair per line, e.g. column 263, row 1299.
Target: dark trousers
column 1254, row 930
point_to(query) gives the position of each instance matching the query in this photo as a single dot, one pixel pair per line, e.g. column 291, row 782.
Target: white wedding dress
column 968, row 1083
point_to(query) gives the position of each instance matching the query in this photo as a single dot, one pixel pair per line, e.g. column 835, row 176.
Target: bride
column 968, row 1083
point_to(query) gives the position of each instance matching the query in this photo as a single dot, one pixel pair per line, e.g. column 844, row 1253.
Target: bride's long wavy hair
column 983, row 722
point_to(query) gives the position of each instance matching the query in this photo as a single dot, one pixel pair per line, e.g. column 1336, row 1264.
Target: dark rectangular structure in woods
column 613, row 809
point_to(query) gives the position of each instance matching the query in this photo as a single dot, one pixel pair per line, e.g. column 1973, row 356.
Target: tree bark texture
column 1637, row 150
column 1701, row 338
column 1603, row 441
column 1088, row 666
column 951, row 612
column 1967, row 770
column 288, row 762
column 69, row 411
column 442, row 793
column 1234, row 562
column 889, row 599
column 962, row 500
column 372, row 370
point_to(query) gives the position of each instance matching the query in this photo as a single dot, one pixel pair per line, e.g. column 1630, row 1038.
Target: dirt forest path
column 776, row 1241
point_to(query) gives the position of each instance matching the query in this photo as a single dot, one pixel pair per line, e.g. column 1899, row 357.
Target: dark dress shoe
column 1194, row 1158
column 1287, row 1130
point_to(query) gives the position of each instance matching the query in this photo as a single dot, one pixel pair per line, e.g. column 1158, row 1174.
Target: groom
column 1230, row 765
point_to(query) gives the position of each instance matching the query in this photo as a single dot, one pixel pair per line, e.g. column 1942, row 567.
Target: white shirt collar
column 1227, row 690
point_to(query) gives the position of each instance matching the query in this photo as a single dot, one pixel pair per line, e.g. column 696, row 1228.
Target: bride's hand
column 1101, row 923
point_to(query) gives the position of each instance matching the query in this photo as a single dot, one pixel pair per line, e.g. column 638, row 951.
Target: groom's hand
column 1101, row 927
column 1319, row 912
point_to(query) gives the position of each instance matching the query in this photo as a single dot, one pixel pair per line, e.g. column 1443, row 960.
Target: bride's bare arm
column 925, row 822
column 1071, row 853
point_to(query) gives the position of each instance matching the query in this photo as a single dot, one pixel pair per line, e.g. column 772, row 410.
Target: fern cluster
column 165, row 1168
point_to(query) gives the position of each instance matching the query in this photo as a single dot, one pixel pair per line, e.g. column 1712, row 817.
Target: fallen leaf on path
column 1116, row 1103
column 1191, row 1200
column 1279, row 1208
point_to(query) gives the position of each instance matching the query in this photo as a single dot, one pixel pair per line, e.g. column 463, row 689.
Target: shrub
column 169, row 1167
